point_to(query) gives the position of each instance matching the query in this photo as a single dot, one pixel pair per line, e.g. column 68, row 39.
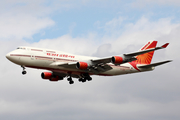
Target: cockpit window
column 21, row 48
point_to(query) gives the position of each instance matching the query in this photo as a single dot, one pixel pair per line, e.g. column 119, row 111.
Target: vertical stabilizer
column 147, row 57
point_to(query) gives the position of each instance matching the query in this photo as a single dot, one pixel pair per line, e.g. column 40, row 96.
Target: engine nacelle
column 56, row 78
column 117, row 60
column 46, row 75
column 82, row 65
column 50, row 76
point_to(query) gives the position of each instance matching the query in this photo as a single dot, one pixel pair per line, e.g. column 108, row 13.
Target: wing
column 94, row 67
column 130, row 56
column 101, row 64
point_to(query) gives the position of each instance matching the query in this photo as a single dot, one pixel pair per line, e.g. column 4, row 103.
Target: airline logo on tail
column 145, row 58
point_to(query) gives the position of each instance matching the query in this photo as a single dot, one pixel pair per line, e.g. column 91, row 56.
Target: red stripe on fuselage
column 20, row 55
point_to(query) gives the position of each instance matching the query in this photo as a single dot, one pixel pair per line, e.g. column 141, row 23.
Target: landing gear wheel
column 69, row 79
column 71, row 82
column 89, row 78
column 24, row 72
column 80, row 79
column 83, row 80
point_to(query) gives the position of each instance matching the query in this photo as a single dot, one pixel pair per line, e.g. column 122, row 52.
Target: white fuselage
column 44, row 59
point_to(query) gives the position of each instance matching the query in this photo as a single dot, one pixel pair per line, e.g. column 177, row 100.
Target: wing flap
column 101, row 68
column 102, row 60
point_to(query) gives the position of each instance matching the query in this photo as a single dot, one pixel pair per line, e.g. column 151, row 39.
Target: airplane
column 61, row 64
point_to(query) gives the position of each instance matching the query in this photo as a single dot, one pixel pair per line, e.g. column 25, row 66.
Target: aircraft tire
column 24, row 72
column 69, row 79
column 71, row 82
column 89, row 78
column 83, row 80
column 80, row 79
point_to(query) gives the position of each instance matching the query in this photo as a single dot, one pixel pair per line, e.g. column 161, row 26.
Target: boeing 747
column 60, row 64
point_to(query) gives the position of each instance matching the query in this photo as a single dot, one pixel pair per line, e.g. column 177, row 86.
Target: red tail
column 147, row 57
column 144, row 58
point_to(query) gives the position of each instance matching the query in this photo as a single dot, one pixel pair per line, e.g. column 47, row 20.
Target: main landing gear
column 23, row 72
column 70, row 80
column 85, row 79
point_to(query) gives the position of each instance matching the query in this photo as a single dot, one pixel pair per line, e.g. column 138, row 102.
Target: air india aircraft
column 61, row 64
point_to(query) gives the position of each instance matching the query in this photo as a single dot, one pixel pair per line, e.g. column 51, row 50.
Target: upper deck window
column 37, row 50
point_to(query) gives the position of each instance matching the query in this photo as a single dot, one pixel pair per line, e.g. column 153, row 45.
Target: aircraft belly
column 44, row 64
column 119, row 70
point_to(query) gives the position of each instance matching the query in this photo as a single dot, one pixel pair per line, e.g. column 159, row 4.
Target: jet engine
column 117, row 60
column 46, row 75
column 82, row 65
column 50, row 76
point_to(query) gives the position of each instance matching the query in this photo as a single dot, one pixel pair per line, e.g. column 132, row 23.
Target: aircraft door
column 32, row 56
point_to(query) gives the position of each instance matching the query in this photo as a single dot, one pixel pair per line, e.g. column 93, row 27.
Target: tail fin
column 147, row 57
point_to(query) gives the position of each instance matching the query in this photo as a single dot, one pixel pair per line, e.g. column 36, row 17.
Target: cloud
column 135, row 35
column 114, row 27
column 23, row 26
column 69, row 44
column 104, row 51
column 23, row 19
column 147, row 3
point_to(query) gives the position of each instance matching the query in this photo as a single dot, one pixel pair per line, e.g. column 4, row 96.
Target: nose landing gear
column 23, row 72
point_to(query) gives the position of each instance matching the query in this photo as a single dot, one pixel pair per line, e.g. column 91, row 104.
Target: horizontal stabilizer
column 165, row 45
column 154, row 64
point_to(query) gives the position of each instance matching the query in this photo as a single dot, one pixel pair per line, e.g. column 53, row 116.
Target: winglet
column 165, row 45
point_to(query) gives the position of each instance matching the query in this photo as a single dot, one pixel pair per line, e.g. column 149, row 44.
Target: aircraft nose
column 8, row 56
